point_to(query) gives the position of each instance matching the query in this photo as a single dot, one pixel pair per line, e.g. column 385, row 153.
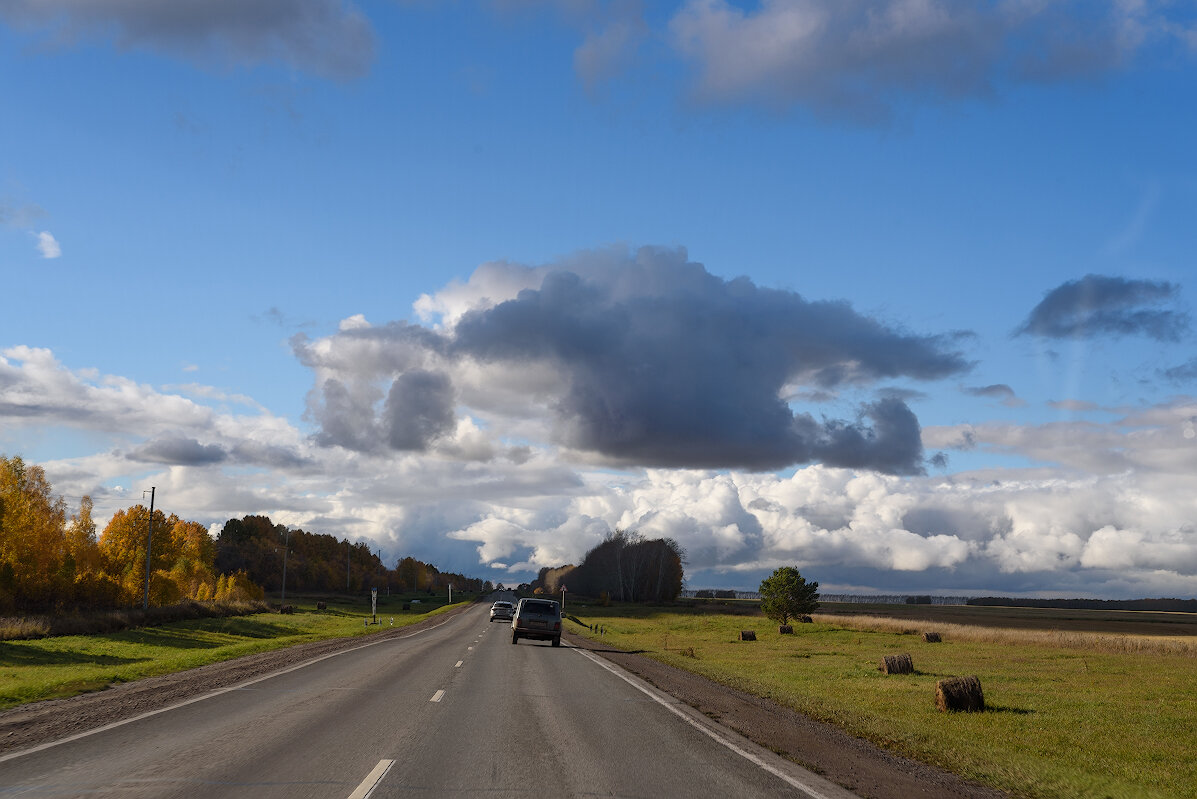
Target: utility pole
column 149, row 537
column 286, row 547
column 348, row 562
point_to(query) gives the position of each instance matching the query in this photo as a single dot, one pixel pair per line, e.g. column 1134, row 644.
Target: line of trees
column 322, row 562
column 625, row 567
column 1169, row 605
column 52, row 561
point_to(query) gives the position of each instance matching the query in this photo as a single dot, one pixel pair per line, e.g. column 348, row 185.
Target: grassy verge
column 1063, row 720
column 48, row 668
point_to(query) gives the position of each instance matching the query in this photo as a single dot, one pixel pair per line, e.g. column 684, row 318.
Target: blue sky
column 898, row 292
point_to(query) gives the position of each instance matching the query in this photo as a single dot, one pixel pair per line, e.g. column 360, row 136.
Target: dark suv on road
column 537, row 618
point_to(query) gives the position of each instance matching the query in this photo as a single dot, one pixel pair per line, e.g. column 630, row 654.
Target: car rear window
column 540, row 608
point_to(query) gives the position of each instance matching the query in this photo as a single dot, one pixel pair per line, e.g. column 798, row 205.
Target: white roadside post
column 563, row 597
column 374, row 604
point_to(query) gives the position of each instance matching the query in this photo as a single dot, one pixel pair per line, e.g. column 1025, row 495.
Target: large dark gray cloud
column 1097, row 305
column 328, row 37
column 419, row 409
column 668, row 365
column 269, row 455
column 179, row 451
column 653, row 361
column 346, row 418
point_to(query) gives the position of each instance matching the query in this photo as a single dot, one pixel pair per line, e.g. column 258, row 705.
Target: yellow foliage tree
column 123, row 545
column 197, row 553
column 32, row 546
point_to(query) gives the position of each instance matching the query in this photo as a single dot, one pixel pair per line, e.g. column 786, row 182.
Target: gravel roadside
column 857, row 765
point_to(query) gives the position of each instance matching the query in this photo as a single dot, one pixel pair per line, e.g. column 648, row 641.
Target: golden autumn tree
column 193, row 571
column 83, row 562
column 237, row 587
column 48, row 562
column 123, row 547
column 182, row 560
column 32, row 545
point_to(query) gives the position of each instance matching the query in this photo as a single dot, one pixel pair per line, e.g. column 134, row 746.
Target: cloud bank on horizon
column 534, row 409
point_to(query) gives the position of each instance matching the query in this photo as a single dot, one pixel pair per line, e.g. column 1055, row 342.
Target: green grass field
column 48, row 668
column 1081, row 717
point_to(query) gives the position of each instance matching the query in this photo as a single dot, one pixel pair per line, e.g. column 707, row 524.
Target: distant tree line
column 624, row 567
column 52, row 560
column 321, row 562
column 717, row 593
column 1169, row 605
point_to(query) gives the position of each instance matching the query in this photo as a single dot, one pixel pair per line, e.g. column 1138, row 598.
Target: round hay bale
column 321, row 606
column 807, row 620
column 932, row 638
column 959, row 693
column 786, row 629
column 897, row 664
column 747, row 635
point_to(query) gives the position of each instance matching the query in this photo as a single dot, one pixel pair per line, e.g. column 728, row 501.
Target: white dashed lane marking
column 372, row 779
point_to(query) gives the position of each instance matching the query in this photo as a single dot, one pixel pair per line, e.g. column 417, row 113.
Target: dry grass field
column 1118, row 622
column 1092, row 631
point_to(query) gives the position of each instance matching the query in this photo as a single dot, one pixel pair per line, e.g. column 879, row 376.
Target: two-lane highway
column 454, row 710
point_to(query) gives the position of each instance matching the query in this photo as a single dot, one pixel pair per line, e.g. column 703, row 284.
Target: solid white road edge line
column 438, row 696
column 372, row 779
column 820, row 789
column 211, row 694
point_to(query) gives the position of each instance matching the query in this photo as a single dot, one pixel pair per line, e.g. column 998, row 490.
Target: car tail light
column 556, row 625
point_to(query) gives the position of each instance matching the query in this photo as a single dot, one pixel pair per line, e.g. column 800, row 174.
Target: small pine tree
column 786, row 595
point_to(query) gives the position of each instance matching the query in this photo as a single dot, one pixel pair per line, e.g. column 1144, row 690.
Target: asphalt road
column 454, row 710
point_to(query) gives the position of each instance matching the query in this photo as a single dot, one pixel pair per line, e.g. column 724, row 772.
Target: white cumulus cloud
column 47, row 245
